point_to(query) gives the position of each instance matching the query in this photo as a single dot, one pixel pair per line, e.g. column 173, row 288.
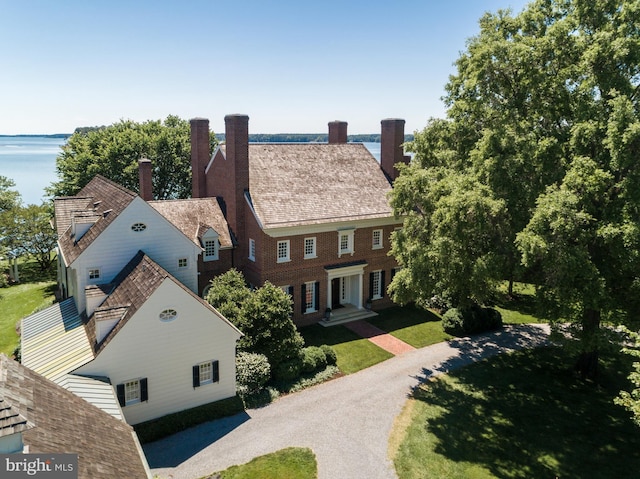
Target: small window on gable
column 138, row 227
column 377, row 239
column 167, row 315
column 206, row 373
column 252, row 249
column 210, row 249
column 310, row 248
column 94, row 274
column 283, row 251
column 183, row 263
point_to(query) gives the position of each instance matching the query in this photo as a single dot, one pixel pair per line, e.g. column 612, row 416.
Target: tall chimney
column 337, row 132
column 237, row 141
column 391, row 152
column 199, row 156
column 145, row 178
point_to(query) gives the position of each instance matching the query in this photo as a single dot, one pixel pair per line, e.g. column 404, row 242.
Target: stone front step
column 347, row 317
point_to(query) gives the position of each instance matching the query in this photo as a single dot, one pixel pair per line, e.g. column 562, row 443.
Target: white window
column 132, row 392
column 138, row 227
column 206, row 373
column 345, row 242
column 309, row 298
column 94, row 273
column 283, row 251
column 168, row 315
column 210, row 249
column 377, row 280
column 183, row 263
column 309, row 248
column 377, row 239
column 252, row 249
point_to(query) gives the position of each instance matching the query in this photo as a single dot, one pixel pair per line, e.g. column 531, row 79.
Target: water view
column 30, row 161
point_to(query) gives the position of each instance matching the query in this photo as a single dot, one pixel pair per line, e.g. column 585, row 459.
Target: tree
column 227, row 293
column 543, row 113
column 114, row 151
column 631, row 400
column 9, row 198
column 34, row 234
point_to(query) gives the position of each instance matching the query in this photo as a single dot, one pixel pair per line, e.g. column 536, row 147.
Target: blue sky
column 292, row 66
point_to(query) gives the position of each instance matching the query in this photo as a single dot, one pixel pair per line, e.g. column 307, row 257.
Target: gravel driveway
column 346, row 422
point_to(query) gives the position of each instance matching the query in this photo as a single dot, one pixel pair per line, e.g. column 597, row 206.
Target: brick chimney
column 337, row 132
column 145, row 178
column 199, row 156
column 237, row 151
column 391, row 152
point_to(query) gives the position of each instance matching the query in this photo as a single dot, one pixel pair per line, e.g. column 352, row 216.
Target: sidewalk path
column 346, row 422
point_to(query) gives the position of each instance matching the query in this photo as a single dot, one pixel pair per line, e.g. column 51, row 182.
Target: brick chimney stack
column 337, row 132
column 237, row 152
column 199, row 156
column 145, row 179
column 391, row 152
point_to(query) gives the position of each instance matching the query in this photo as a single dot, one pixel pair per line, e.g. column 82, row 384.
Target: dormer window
column 138, row 227
column 210, row 244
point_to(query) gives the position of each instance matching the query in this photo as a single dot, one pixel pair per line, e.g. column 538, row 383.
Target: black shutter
column 304, row 299
column 317, row 295
column 393, row 273
column 120, row 394
column 144, row 390
column 290, row 291
column 196, row 376
column 215, row 371
column 370, row 285
column 382, row 288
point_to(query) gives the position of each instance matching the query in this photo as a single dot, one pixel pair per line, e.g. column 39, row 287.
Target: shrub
column 461, row 322
column 288, row 370
column 313, row 359
column 252, row 372
column 330, row 354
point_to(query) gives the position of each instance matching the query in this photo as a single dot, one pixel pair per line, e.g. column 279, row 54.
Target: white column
column 360, row 279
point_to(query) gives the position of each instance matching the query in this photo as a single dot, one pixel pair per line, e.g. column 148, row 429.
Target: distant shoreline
column 55, row 135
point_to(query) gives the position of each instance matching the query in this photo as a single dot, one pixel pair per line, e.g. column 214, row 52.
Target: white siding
column 165, row 352
column 115, row 247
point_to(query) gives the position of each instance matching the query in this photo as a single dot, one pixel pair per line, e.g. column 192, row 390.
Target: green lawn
column 290, row 463
column 520, row 308
column 354, row 353
column 19, row 301
column 415, row 326
column 519, row 415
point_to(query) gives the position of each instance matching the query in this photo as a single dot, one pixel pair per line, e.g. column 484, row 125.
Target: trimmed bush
column 473, row 320
column 330, row 354
column 288, row 370
column 252, row 372
column 313, row 359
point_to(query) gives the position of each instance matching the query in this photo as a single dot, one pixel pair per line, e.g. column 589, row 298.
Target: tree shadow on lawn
column 400, row 317
column 525, row 415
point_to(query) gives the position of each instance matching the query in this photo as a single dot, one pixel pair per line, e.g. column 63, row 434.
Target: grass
column 518, row 416
column 354, row 353
column 519, row 308
column 413, row 325
column 289, row 463
column 16, row 302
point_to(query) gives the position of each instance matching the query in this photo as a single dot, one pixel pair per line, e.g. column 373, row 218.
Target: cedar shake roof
column 194, row 217
column 101, row 201
column 65, row 423
column 303, row 184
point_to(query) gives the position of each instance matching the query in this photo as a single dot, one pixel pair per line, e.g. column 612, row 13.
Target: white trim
column 350, row 235
column 288, row 257
column 380, row 243
column 314, row 253
column 311, row 230
column 380, row 285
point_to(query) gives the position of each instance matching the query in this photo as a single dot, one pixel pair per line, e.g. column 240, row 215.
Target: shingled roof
column 194, row 217
column 102, row 200
column 304, row 184
column 65, row 423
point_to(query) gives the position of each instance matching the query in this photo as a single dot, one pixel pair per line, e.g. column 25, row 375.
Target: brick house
column 313, row 219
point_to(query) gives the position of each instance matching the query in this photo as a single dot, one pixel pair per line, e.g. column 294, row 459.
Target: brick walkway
column 379, row 337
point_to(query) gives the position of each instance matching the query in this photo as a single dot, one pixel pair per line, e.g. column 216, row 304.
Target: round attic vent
column 137, row 227
column 168, row 315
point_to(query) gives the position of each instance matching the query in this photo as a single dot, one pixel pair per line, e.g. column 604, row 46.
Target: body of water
column 30, row 161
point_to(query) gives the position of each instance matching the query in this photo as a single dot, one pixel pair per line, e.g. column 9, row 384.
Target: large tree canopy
column 114, row 151
column 543, row 124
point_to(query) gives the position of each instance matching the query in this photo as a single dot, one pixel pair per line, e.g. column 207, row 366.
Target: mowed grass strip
column 354, row 353
column 518, row 415
column 415, row 326
column 19, row 301
column 289, row 463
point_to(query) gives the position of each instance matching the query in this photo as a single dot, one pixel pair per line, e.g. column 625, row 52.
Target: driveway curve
column 346, row 422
